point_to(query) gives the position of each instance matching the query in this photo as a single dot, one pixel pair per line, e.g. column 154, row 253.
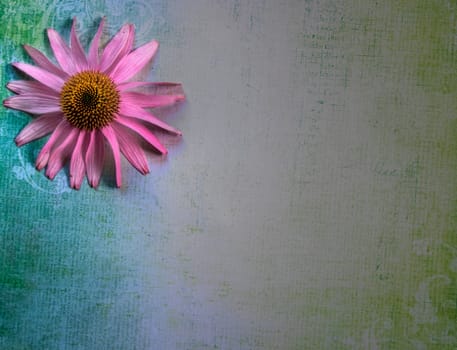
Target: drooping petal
column 95, row 157
column 93, row 50
column 133, row 111
column 30, row 87
column 119, row 46
column 62, row 52
column 38, row 128
column 62, row 130
column 41, row 60
column 77, row 167
column 134, row 62
column 43, row 76
column 60, row 153
column 151, row 101
column 110, row 136
column 144, row 132
column 76, row 49
column 131, row 149
column 33, row 103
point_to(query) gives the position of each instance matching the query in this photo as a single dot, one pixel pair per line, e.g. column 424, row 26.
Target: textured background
column 311, row 203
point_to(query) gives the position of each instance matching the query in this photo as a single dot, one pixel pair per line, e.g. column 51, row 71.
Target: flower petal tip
column 19, row 142
column 93, row 184
column 144, row 170
column 75, row 182
column 49, row 176
column 51, row 171
column 41, row 161
column 75, row 186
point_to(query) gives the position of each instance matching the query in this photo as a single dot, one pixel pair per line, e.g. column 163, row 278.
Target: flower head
column 85, row 101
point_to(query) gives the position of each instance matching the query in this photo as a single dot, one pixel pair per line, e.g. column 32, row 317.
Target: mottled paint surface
column 311, row 203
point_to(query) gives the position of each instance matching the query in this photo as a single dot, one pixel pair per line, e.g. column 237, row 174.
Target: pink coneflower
column 85, row 100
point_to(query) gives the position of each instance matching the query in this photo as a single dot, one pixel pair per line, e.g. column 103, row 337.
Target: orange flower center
column 89, row 100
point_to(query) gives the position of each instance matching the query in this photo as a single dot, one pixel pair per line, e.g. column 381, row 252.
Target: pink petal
column 119, row 46
column 130, row 110
column 76, row 48
column 41, row 60
column 95, row 156
column 131, row 64
column 33, row 103
column 131, row 149
column 62, row 130
column 151, row 101
column 93, row 50
column 60, row 154
column 110, row 136
column 143, row 132
column 43, row 76
column 77, row 168
column 30, row 87
column 62, row 52
column 38, row 128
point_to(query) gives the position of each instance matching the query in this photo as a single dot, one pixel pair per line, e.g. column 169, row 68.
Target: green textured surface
column 311, row 203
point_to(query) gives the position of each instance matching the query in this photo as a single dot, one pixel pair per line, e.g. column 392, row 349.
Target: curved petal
column 38, row 128
column 33, row 103
column 62, row 131
column 77, row 167
column 41, row 60
column 95, row 157
column 133, row 111
column 62, row 52
column 93, row 50
column 110, row 136
column 130, row 148
column 150, row 100
column 23, row 87
column 43, row 76
column 144, row 132
column 119, row 46
column 76, row 48
column 60, row 154
column 134, row 62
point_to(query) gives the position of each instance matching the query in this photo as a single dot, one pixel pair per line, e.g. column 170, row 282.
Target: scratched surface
column 311, row 203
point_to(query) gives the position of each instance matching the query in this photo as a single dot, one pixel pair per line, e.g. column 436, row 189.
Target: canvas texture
column 309, row 204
